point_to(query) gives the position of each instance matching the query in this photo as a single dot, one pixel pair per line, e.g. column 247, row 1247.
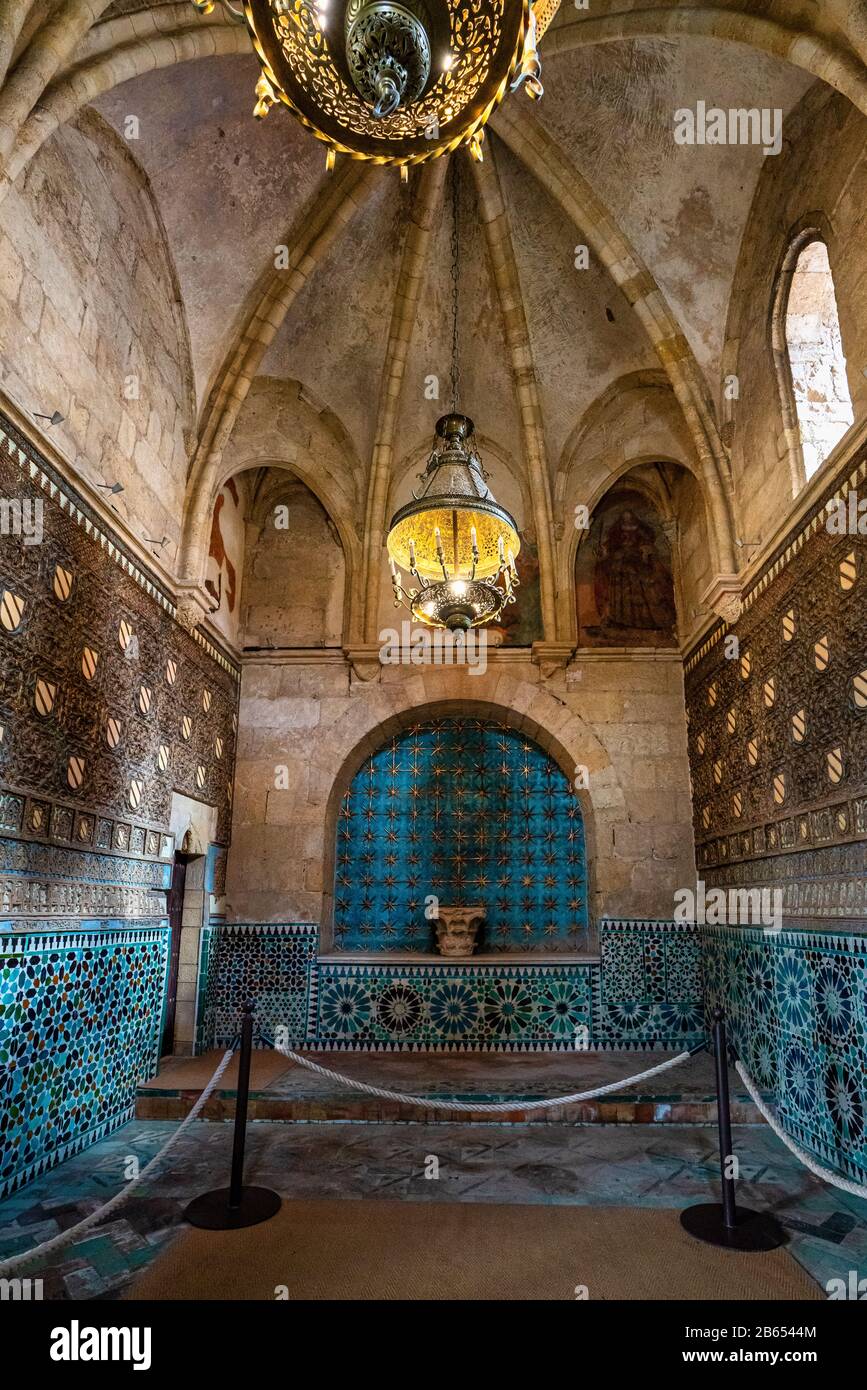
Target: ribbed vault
column 357, row 235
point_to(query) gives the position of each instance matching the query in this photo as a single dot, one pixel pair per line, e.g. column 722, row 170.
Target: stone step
column 283, row 1092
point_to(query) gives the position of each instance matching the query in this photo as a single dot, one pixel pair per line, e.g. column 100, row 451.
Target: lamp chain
column 455, row 355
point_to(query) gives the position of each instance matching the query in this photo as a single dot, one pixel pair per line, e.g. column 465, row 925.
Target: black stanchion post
column 239, row 1139
column 726, row 1224
column 724, row 1120
column 233, row 1207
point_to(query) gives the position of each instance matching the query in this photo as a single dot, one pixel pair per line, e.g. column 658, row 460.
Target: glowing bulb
column 459, row 588
column 448, row 62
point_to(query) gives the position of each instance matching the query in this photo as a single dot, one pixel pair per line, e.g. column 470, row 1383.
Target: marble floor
column 647, row 1165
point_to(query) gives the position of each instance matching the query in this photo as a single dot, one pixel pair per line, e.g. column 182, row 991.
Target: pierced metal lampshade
column 393, row 81
column 454, row 538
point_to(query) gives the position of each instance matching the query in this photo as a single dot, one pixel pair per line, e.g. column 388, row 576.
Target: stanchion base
column 755, row 1230
column 211, row 1211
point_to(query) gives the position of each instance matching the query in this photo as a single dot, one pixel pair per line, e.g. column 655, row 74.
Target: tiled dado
column 448, row 1007
column 650, row 985
column 273, row 963
column 80, row 1020
column 645, row 994
column 797, row 1005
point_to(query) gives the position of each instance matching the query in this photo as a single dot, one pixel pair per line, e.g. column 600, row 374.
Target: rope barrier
column 835, row 1179
column 479, row 1107
column 425, row 1102
column 65, row 1237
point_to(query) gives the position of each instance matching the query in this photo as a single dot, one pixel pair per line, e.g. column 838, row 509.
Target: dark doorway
column 176, row 911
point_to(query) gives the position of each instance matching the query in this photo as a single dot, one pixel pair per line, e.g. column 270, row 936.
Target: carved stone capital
column 194, row 604
column 723, row 596
column 364, row 659
column 552, row 656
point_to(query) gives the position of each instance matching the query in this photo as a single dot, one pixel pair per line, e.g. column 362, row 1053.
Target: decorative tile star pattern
column 469, row 812
column 80, row 1020
column 797, row 1009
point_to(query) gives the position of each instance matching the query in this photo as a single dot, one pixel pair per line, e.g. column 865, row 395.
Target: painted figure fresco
column 623, row 577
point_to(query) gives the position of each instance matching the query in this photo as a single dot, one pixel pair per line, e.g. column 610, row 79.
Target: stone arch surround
column 618, row 719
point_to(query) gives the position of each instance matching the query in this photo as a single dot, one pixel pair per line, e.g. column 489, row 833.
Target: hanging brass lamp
column 454, row 538
column 393, row 81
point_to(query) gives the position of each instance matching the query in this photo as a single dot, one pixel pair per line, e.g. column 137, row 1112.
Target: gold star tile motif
column 465, row 810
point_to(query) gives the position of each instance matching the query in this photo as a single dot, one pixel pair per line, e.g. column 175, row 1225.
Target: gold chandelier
column 454, row 538
column 393, row 82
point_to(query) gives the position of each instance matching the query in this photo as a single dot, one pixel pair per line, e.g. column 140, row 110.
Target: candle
column 473, row 538
column 501, row 547
column 412, row 554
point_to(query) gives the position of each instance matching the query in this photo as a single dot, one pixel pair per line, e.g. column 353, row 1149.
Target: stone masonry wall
column 91, row 324
column 623, row 720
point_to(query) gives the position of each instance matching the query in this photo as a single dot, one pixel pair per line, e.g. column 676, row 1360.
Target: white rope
column 856, row 1189
column 64, row 1238
column 477, row 1107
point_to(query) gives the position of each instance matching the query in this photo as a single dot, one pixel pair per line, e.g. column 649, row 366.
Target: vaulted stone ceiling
column 361, row 319
column 230, row 189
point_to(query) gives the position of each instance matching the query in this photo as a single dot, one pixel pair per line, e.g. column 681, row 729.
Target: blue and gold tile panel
column 468, row 812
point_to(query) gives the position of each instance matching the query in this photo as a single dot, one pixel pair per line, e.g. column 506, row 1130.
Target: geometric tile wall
column 272, row 963
column 107, row 706
column 797, row 1009
column 80, row 1022
column 440, row 1006
column 651, row 985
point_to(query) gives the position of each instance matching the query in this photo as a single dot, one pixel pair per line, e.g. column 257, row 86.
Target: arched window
column 822, row 402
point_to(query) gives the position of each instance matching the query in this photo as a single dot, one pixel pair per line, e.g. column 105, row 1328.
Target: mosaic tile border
column 440, row 1006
